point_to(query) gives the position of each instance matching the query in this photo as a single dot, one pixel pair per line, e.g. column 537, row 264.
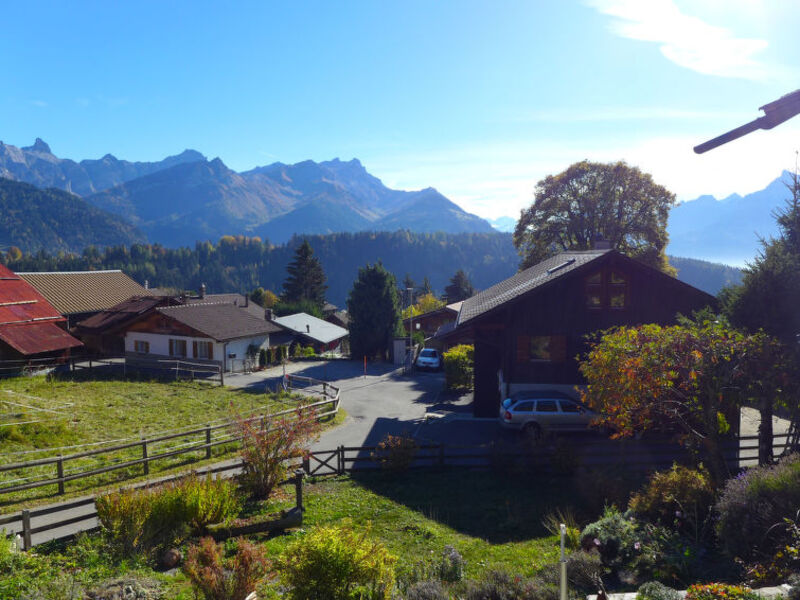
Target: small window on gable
column 594, row 291
column 617, row 290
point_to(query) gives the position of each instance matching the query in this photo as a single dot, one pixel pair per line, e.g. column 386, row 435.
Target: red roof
column 34, row 338
column 28, row 322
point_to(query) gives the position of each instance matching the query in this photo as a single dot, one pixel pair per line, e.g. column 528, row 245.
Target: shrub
column 681, row 498
column 396, row 452
column 654, row 590
column 584, row 570
column 309, row 352
column 427, row 590
column 450, row 566
column 139, row 520
column 794, row 582
column 265, row 452
column 336, row 563
column 262, row 357
column 638, row 551
column 719, row 591
column 502, row 586
column 753, row 506
column 458, row 367
column 217, row 579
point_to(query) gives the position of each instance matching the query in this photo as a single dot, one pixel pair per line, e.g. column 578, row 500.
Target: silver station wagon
column 533, row 412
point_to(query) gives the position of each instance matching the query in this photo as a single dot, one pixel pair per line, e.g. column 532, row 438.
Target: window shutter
column 523, row 348
column 210, row 350
column 558, row 348
column 194, row 349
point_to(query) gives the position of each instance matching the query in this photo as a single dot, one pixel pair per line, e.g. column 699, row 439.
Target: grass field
column 41, row 417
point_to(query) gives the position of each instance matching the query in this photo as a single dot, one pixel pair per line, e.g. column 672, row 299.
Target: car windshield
column 428, row 353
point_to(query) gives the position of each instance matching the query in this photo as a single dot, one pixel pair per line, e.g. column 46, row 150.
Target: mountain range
column 185, row 198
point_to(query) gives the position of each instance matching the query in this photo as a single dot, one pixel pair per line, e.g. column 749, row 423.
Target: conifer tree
column 374, row 310
column 306, row 279
column 460, row 287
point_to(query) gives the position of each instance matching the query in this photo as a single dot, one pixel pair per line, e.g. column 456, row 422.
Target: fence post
column 146, row 462
column 26, row 529
column 325, row 388
column 221, row 376
column 60, row 469
column 298, row 488
column 307, row 464
column 208, row 440
column 341, row 461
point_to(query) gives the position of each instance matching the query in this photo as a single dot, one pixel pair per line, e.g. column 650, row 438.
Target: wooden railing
column 210, row 436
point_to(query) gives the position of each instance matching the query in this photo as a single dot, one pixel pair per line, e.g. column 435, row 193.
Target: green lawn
column 493, row 520
column 67, row 412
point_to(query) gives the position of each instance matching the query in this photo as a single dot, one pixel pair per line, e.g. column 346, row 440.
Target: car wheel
column 532, row 431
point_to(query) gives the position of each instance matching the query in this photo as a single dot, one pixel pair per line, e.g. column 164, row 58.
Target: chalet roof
column 122, row 313
column 525, row 281
column 312, row 327
column 28, row 322
column 221, row 322
column 72, row 292
column 239, row 300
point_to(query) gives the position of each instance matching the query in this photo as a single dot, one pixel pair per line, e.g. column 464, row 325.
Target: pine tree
column 460, row 287
column 374, row 310
column 306, row 279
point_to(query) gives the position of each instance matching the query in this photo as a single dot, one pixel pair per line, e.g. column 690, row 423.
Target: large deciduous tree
column 460, row 287
column 306, row 279
column 693, row 377
column 613, row 201
column 374, row 310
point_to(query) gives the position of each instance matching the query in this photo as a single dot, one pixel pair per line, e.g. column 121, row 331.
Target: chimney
column 268, row 314
column 600, row 243
column 202, row 290
column 146, row 284
column 308, row 328
column 246, row 300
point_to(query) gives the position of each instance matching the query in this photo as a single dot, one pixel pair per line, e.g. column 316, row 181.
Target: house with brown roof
column 221, row 334
column 80, row 294
column 31, row 328
column 529, row 329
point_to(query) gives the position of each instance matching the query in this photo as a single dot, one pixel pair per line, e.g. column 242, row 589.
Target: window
column 141, row 347
column 550, row 348
column 524, row 407
column 546, row 406
column 204, row 350
column 177, row 348
column 607, row 289
column 569, row 407
column 617, row 290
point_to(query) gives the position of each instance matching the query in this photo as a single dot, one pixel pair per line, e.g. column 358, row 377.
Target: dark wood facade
column 536, row 337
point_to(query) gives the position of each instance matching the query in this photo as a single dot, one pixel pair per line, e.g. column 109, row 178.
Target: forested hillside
column 33, row 219
column 242, row 264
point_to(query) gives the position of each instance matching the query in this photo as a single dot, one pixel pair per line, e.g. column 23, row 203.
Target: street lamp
column 775, row 113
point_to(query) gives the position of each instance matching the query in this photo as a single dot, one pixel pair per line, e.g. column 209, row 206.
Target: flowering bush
column 458, row 367
column 720, row 591
column 753, row 506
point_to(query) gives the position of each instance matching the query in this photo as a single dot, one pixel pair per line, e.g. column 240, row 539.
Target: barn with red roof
column 30, row 328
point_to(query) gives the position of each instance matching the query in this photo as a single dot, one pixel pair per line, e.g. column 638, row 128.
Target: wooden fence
column 200, row 440
column 25, row 523
column 553, row 459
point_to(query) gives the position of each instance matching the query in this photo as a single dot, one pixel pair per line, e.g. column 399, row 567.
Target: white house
column 223, row 334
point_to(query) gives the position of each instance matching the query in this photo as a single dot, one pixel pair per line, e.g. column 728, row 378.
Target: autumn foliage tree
column 692, row 377
column 618, row 202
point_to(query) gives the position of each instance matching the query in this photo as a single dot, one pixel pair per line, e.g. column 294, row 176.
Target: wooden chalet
column 430, row 322
column 218, row 334
column 32, row 331
column 529, row 329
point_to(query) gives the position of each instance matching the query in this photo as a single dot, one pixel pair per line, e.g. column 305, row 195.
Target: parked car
column 429, row 358
column 533, row 412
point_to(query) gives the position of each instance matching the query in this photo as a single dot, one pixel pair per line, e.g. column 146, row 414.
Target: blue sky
column 477, row 99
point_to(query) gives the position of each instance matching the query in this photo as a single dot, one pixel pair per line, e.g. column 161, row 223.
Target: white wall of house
column 159, row 346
